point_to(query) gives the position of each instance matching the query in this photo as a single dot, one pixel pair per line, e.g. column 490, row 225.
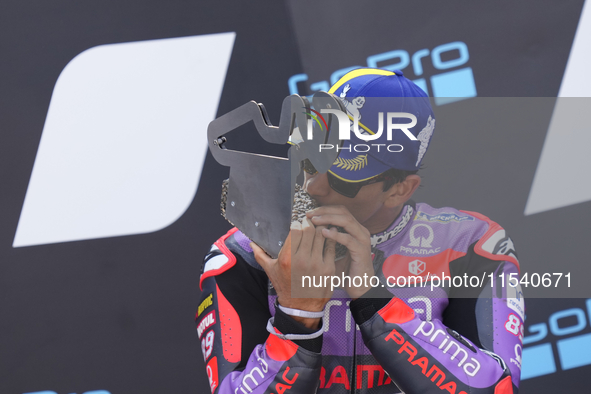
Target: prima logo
column 250, row 377
column 433, row 331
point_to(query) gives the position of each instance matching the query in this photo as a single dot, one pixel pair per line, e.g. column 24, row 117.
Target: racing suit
column 414, row 337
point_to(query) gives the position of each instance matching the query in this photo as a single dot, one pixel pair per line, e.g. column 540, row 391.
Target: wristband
column 293, row 337
column 300, row 313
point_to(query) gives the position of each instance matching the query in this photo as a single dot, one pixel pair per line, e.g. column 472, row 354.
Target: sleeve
column 432, row 356
column 241, row 356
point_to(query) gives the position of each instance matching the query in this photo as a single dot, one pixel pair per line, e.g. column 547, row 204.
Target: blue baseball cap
column 365, row 93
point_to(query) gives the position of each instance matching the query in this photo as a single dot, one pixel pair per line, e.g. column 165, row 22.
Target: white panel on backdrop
column 124, row 140
column 562, row 176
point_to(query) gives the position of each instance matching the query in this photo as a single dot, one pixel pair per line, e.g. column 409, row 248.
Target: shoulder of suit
column 229, row 249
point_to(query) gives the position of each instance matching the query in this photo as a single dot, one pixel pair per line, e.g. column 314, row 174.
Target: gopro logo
column 123, row 143
column 540, row 360
column 447, row 87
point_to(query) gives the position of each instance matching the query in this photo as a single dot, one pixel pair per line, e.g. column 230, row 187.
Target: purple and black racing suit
column 461, row 336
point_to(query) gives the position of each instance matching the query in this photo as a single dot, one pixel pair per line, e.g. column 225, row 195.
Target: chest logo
column 421, row 241
column 417, row 267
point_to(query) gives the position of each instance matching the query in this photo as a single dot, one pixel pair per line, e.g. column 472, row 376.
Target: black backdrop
column 116, row 314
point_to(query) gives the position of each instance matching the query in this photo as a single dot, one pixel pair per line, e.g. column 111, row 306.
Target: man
column 367, row 338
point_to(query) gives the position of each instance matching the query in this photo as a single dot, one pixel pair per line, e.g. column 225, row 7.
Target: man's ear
column 401, row 192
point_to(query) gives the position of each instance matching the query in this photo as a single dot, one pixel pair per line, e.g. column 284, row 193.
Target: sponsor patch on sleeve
column 206, row 303
column 207, row 321
column 515, row 300
column 443, row 217
column 207, row 344
column 500, row 243
column 495, row 244
column 212, row 373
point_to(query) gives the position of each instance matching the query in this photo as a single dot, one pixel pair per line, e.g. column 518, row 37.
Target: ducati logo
column 416, row 267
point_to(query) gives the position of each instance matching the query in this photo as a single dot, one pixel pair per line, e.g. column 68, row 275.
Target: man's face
column 364, row 206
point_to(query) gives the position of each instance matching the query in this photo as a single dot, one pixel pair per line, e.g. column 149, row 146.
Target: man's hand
column 357, row 240
column 304, row 253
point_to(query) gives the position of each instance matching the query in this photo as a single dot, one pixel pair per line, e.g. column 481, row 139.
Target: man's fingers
column 338, row 215
column 261, row 257
column 308, row 234
column 319, row 239
column 328, row 209
column 295, row 236
column 334, row 219
column 329, row 251
column 343, row 264
column 342, row 238
column 347, row 222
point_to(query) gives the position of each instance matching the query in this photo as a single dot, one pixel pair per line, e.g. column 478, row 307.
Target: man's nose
column 317, row 185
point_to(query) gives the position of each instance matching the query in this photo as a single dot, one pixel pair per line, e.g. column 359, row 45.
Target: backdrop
column 109, row 199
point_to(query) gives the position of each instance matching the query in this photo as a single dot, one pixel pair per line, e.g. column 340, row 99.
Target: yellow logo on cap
column 355, row 164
